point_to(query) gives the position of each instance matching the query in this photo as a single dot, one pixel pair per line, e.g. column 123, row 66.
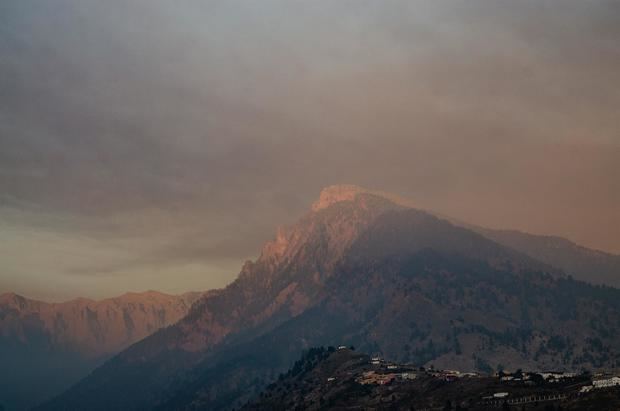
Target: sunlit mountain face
column 441, row 178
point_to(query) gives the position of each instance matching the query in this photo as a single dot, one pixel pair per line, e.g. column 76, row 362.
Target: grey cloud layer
column 192, row 128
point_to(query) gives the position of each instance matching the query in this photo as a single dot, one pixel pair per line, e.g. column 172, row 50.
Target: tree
column 537, row 379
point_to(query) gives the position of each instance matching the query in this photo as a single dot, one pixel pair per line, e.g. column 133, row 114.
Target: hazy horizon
column 158, row 145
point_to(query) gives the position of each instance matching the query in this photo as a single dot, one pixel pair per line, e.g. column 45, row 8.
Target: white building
column 556, row 376
column 609, row 382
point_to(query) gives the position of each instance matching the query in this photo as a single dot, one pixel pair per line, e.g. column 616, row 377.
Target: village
column 343, row 379
column 502, row 389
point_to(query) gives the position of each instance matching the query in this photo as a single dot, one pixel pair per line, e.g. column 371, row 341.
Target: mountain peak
column 337, row 193
column 10, row 297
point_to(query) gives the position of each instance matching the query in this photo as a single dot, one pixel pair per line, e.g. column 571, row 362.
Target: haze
column 157, row 145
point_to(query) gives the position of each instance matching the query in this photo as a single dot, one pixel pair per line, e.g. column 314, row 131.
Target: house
column 449, row 375
column 371, row 377
column 387, row 379
column 408, row 376
column 605, row 383
column 330, row 379
column 556, row 375
column 342, row 347
column 500, row 395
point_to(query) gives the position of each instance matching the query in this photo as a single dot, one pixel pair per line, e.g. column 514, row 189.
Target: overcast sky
column 157, row 144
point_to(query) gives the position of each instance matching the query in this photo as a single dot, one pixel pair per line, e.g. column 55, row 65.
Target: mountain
column 52, row 345
column 582, row 263
column 593, row 266
column 361, row 269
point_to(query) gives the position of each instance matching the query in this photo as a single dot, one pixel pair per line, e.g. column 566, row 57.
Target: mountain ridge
column 587, row 264
column 573, row 258
column 165, row 309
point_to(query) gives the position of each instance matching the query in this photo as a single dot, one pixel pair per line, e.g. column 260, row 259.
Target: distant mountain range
column 48, row 346
column 360, row 269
